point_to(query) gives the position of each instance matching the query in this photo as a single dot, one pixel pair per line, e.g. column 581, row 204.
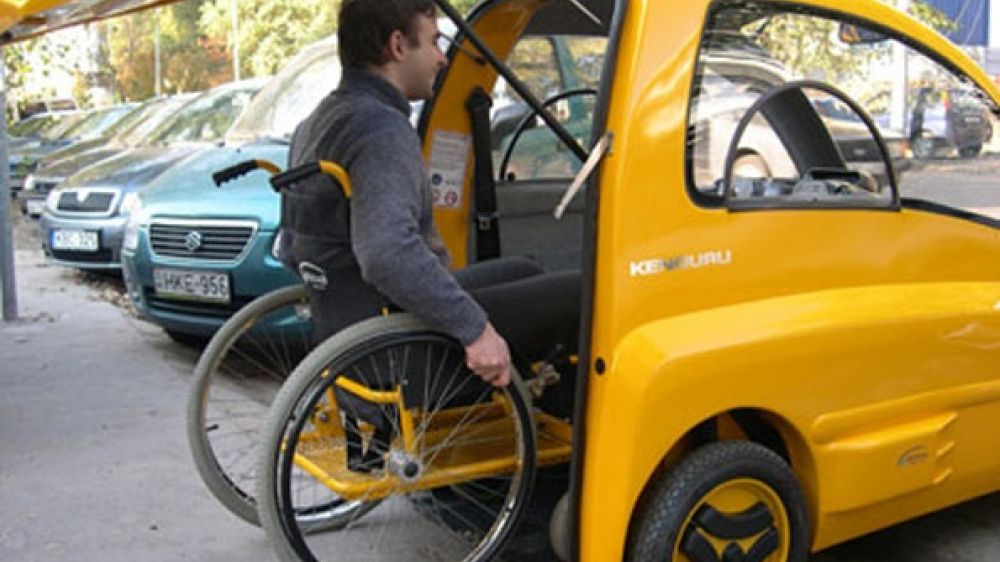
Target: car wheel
column 730, row 500
column 970, row 151
column 751, row 165
column 923, row 145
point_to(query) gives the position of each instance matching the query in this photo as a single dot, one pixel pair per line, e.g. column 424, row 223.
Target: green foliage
column 933, row 17
column 32, row 61
column 807, row 45
column 189, row 61
column 270, row 31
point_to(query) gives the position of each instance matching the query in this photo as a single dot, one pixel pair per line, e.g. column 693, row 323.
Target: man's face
column 422, row 59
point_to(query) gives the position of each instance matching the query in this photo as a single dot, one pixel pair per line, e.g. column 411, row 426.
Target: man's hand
column 489, row 357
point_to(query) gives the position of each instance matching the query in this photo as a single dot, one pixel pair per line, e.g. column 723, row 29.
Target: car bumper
column 252, row 275
column 109, row 238
column 31, row 203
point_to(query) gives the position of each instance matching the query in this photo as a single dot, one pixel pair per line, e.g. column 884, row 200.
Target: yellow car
column 774, row 358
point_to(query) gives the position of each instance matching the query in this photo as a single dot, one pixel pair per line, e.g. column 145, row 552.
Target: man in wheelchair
column 378, row 249
column 381, row 247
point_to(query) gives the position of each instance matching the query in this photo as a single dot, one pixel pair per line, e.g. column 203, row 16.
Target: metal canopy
column 24, row 19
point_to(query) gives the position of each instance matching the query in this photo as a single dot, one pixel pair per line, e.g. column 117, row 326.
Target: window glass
column 935, row 124
column 557, row 68
column 291, row 96
column 207, row 118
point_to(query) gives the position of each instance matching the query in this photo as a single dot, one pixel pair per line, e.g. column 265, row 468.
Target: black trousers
column 535, row 311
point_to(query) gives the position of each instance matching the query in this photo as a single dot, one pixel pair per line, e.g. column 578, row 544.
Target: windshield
column 29, row 126
column 291, row 95
column 97, row 123
column 61, row 125
column 146, row 119
column 208, row 117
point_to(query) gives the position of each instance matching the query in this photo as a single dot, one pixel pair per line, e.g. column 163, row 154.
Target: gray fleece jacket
column 364, row 126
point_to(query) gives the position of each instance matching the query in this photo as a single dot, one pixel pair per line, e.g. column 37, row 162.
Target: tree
column 32, row 62
column 189, row 61
column 270, row 31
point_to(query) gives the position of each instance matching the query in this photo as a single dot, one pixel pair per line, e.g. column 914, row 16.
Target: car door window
column 935, row 124
column 564, row 70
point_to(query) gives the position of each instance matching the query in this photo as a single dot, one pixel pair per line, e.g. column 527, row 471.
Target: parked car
column 88, row 130
column 130, row 132
column 940, row 120
column 50, row 127
column 194, row 253
column 84, row 219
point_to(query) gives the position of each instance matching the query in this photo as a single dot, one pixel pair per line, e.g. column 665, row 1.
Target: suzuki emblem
column 192, row 241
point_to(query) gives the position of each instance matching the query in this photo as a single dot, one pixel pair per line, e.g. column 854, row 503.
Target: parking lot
column 94, row 464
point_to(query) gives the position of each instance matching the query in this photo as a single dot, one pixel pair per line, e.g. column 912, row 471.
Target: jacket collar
column 367, row 82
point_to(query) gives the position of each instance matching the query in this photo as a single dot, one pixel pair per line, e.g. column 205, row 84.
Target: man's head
column 396, row 38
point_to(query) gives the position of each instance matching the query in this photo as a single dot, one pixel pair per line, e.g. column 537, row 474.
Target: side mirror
column 854, row 35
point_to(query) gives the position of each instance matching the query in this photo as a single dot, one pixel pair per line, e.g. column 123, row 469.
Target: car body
column 84, row 219
column 132, row 131
column 845, row 332
column 87, row 131
column 45, row 129
column 941, row 119
column 191, row 288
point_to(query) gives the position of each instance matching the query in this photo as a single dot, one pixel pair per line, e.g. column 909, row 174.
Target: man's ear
column 395, row 46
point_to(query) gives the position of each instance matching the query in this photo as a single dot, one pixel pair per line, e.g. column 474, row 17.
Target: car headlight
column 132, row 207
column 29, row 183
column 52, row 200
column 131, row 204
column 276, row 246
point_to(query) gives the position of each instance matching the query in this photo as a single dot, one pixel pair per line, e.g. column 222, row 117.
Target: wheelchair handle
column 241, row 169
column 299, row 173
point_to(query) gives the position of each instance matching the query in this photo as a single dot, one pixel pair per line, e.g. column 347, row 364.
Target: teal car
column 194, row 253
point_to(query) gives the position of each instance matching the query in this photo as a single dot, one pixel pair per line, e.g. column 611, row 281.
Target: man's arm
column 387, row 177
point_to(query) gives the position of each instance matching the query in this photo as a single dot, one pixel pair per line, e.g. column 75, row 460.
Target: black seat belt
column 487, row 221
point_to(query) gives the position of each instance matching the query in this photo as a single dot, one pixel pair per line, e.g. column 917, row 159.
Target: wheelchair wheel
column 455, row 463
column 235, row 381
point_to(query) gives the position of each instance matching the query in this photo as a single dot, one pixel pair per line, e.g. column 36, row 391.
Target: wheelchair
column 381, row 434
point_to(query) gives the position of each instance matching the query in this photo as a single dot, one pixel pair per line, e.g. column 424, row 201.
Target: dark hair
column 364, row 26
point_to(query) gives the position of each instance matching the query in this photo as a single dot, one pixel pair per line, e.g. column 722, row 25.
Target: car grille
column 207, row 241
column 88, row 201
column 100, row 256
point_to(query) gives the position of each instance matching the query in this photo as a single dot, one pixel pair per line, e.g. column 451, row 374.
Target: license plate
column 71, row 239
column 972, row 119
column 212, row 286
column 35, row 206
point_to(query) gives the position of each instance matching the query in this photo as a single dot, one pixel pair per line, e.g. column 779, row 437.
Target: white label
column 200, row 285
column 79, row 240
column 449, row 154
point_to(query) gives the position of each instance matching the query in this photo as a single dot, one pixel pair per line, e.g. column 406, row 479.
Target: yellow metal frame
column 812, row 307
column 322, row 453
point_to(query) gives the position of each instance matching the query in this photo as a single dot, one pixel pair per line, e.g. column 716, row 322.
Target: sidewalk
column 94, row 463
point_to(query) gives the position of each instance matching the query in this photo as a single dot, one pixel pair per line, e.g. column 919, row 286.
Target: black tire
column 676, row 513
column 970, row 151
column 469, row 521
column 923, row 145
column 751, row 165
column 235, row 381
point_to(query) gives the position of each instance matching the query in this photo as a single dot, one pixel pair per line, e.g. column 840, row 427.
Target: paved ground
column 94, row 465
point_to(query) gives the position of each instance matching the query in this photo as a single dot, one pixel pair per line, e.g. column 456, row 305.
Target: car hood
column 34, row 152
column 132, row 169
column 78, row 147
column 63, row 168
column 187, row 190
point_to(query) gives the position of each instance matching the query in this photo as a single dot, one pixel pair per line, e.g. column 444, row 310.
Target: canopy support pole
column 6, row 228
